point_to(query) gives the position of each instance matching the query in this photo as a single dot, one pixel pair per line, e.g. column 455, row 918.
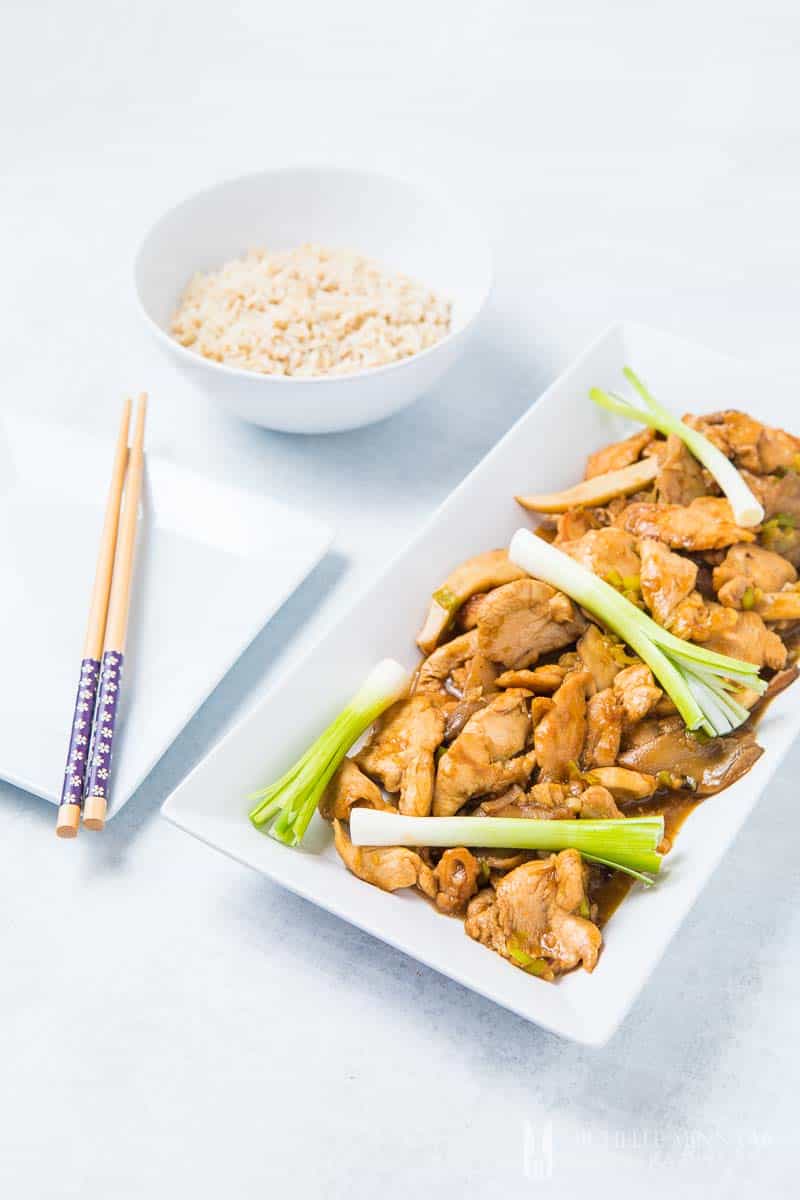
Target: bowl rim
column 193, row 359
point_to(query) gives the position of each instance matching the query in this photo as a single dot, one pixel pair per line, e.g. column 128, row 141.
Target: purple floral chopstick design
column 98, row 779
column 78, row 754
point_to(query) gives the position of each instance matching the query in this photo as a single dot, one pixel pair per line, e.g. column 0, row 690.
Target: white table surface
column 171, row 1024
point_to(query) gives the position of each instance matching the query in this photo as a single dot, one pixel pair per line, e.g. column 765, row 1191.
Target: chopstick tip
column 94, row 812
column 69, row 816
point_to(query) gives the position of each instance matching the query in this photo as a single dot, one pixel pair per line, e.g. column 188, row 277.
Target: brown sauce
column 607, row 889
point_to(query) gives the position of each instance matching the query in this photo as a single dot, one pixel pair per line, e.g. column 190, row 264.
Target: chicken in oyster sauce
column 523, row 706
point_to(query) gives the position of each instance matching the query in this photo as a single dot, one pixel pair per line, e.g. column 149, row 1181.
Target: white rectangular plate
column 545, row 450
column 213, row 564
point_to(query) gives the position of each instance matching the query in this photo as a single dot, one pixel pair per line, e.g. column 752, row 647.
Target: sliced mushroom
column 596, row 491
column 479, row 685
column 478, row 574
column 456, row 876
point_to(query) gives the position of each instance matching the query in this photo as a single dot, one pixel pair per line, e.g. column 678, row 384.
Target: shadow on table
column 654, row 1077
column 428, row 447
column 229, row 697
column 432, row 445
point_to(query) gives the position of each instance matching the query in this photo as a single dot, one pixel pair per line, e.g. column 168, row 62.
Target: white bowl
column 387, row 219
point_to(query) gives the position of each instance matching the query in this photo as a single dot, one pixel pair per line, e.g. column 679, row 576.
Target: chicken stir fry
column 525, row 706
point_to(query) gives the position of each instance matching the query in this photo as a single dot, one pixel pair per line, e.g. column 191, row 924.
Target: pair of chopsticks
column 87, row 776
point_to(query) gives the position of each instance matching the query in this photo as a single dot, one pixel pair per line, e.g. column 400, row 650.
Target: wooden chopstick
column 69, row 808
column 98, row 779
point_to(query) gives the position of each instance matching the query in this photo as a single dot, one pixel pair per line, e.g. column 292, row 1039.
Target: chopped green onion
column 747, row 511
column 446, row 598
column 779, row 521
column 606, row 862
column 534, row 966
column 629, row 844
column 698, row 681
column 748, row 598
column 291, row 801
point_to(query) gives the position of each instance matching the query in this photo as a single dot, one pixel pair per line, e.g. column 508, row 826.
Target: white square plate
column 545, row 450
column 213, row 564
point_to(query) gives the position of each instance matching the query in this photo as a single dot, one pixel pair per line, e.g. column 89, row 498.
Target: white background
column 170, row 1024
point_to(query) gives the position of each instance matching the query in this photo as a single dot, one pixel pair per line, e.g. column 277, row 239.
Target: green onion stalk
column 700, row 682
column 628, row 845
column 290, row 802
column 747, row 511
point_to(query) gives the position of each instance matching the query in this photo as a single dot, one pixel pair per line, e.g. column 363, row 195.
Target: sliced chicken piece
column 706, row 765
column 487, row 756
column 559, row 736
column 609, row 553
column 522, row 620
column 595, row 491
column 478, row 574
column 705, row 524
column 751, row 566
column 437, row 668
column 544, row 802
column 456, row 876
column 533, row 917
column 680, row 476
column 691, row 619
column 483, row 921
column 553, row 795
column 779, row 606
column 498, row 862
column 387, row 867
column 574, row 524
column 751, row 445
column 781, row 538
column 668, row 589
column 637, row 692
column 540, row 706
column 601, row 657
column 744, row 635
column 780, row 496
column 604, row 716
column 401, row 748
column 470, row 611
column 597, row 804
column 624, row 784
column 666, row 578
column 350, row 788
column 618, row 454
column 542, row 681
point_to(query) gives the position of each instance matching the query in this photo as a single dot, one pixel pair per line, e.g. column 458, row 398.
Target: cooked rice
column 308, row 311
